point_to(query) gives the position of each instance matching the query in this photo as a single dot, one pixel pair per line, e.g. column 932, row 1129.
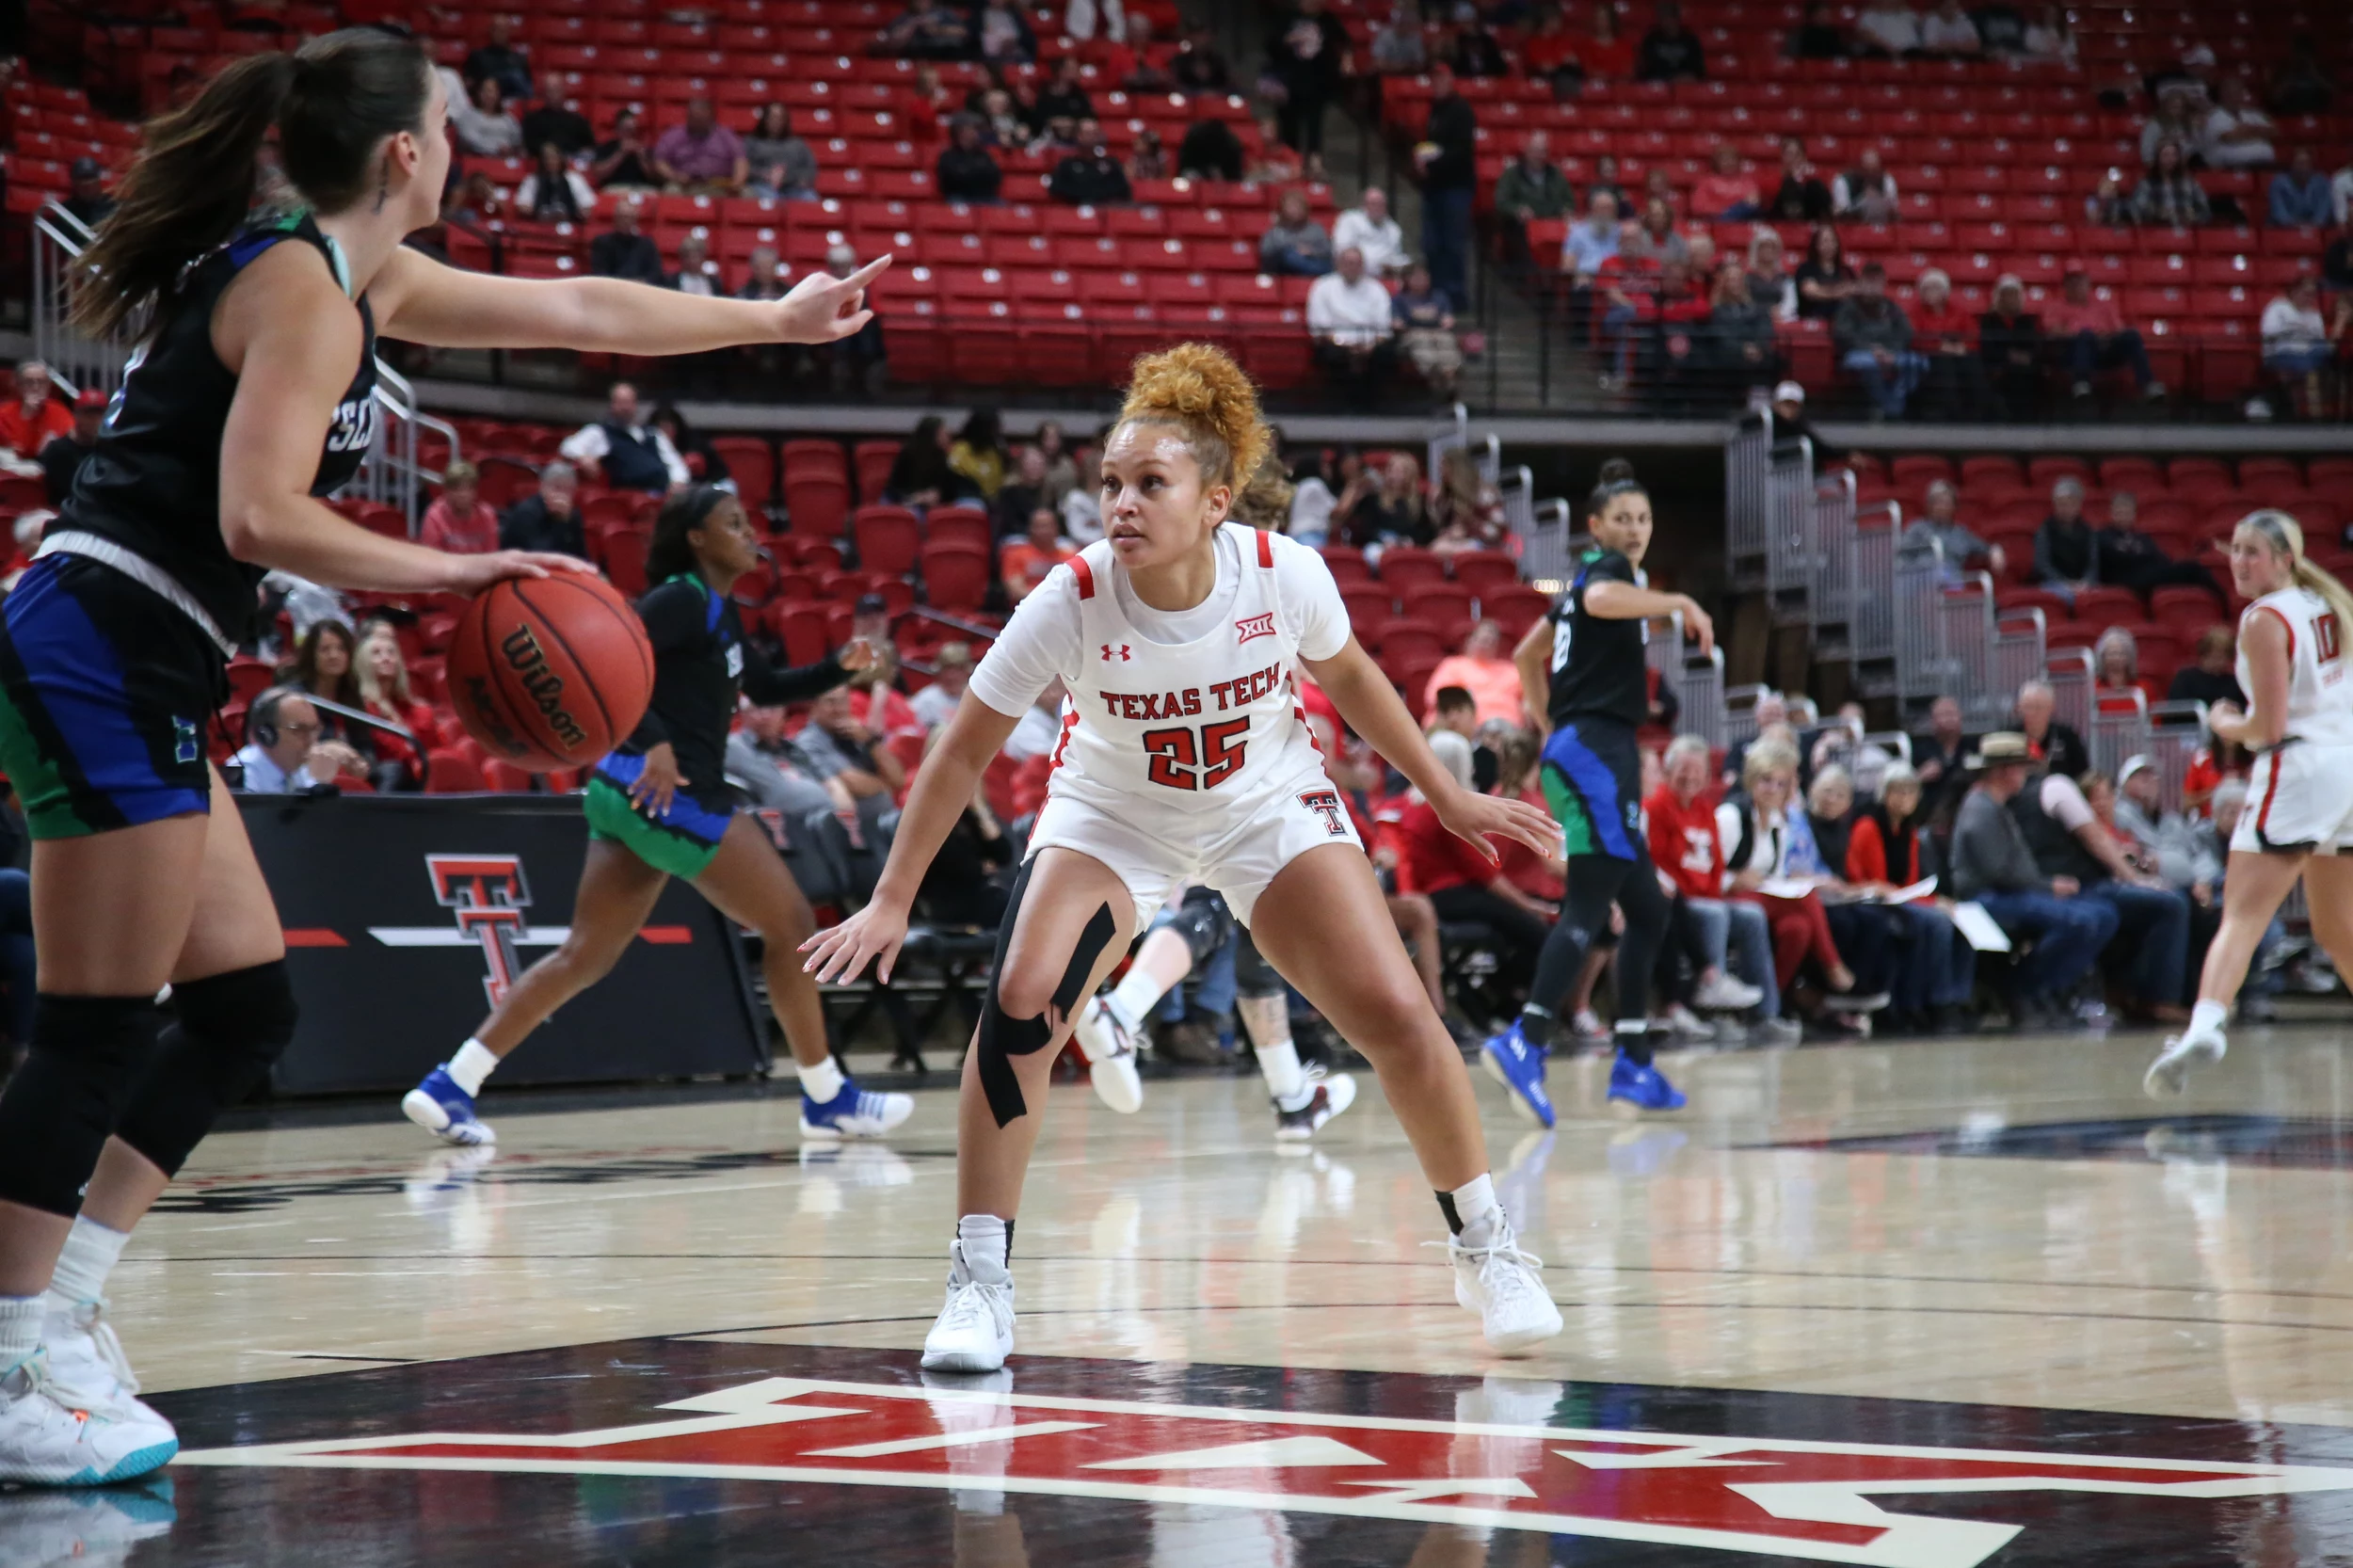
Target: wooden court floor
column 2072, row 1325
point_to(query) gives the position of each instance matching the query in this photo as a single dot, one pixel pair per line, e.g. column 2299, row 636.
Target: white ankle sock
column 1286, row 1079
column 1475, row 1206
column 20, row 1330
column 473, row 1063
column 823, row 1083
column 985, row 1239
column 2208, row 1018
column 89, row 1255
column 1132, row 1000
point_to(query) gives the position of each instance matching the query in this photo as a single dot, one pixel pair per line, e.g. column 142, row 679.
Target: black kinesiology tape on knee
column 1205, row 922
column 229, row 1029
column 1253, row 975
column 1002, row 1036
column 87, row 1058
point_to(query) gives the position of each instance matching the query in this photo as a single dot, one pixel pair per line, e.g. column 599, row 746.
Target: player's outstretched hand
column 1479, row 818
column 842, row 952
column 825, row 309
column 470, row 574
column 1697, row 626
column 855, row 655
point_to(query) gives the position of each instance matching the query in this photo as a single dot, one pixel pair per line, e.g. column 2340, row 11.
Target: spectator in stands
column 1353, row 323
column 460, row 520
column 1671, row 52
column 779, row 162
column 1802, row 197
column 696, row 273
column 554, row 192
column 2066, row 547
column 1064, row 97
column 1938, row 758
column 497, row 59
column 1756, row 830
column 2050, row 740
column 85, row 192
column 1680, row 823
column 1818, row 37
column 1531, row 186
column 625, row 449
column 1485, row 669
column 774, row 770
column 34, row 418
column 1887, row 29
column 1955, row 385
column 2236, row 134
column 2068, row 840
column 1307, row 54
column 1605, row 56
column 704, row 465
column 764, row 276
column 1588, row 246
column 2298, row 341
column 2108, row 205
column 1424, row 318
column 1391, row 510
column 2170, row 195
column 1824, row 279
column 920, row 475
column 2051, row 37
column 936, row 704
column 61, row 457
column 2176, row 120
column 1548, row 54
column 978, row 453
column 1210, row 151
column 1866, row 193
column 1396, row 43
column 1476, row 53
column 2116, row 662
column 1874, row 341
column 1949, row 32
column 1149, row 161
column 1090, row 176
column 2091, row 335
column 701, row 154
column 1080, row 18
column 1295, row 244
column 549, row 519
column 1927, row 977
column 1023, row 493
column 1368, row 227
column 1447, row 159
column 1994, row 866
column 624, row 252
column 324, row 669
column 1896, row 847
column 1655, row 239
column 1002, row 122
column 1962, row 552
column 1791, row 425
column 1727, row 190
column 1138, row 65
column 284, row 733
column 1466, row 506
column 1606, row 179
column 1628, row 285
column 555, row 121
column 2010, row 341
column 1003, row 33
column 385, row 692
column 1451, row 728
column 1769, row 282
column 2211, row 676
column 2300, row 195
column 966, row 172
column 844, row 751
column 1040, row 728
column 929, row 30
column 1199, row 65
column 626, row 160
column 2130, row 559
column 1742, row 329
column 482, row 123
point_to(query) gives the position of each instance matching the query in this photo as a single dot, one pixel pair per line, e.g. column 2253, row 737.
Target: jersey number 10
column 1181, row 763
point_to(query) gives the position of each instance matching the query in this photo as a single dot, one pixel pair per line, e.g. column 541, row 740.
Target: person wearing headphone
column 281, row 729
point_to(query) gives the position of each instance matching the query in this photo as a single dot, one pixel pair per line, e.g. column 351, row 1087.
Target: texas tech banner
column 406, row 915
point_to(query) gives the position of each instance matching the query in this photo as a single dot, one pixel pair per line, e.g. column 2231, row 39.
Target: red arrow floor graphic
column 1809, row 1501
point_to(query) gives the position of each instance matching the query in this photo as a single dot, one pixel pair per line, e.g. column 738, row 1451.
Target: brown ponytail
column 333, row 104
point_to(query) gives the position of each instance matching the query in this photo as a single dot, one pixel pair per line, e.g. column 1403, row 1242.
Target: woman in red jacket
column 385, row 690
column 1936, row 969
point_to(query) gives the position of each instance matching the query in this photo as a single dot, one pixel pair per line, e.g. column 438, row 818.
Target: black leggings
column 1595, row 882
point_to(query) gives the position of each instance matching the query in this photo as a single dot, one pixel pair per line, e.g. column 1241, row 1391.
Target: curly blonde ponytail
column 1200, row 390
column 2287, row 535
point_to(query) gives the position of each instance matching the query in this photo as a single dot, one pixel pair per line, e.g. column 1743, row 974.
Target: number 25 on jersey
column 1181, row 761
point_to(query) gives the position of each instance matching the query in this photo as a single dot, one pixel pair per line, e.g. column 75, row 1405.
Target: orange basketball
column 550, row 672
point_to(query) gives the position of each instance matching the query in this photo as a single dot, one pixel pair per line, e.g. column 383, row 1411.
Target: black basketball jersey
column 152, row 483
column 1598, row 667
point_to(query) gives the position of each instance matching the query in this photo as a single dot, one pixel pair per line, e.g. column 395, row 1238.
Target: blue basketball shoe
column 445, row 1111
column 1517, row 1062
column 854, row 1113
column 1644, row 1088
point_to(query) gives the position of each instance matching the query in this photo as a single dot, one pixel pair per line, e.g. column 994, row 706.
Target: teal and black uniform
column 702, row 664
column 115, row 650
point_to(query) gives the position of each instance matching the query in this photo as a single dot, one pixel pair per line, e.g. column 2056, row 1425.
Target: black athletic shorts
column 105, row 692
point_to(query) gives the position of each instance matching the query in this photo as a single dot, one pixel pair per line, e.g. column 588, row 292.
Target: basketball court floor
column 1921, row 1306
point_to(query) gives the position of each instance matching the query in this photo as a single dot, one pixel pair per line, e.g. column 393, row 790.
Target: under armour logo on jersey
column 1120, row 652
column 1255, row 626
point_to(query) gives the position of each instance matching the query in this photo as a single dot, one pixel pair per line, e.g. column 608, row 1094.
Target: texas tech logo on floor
column 1822, row 1502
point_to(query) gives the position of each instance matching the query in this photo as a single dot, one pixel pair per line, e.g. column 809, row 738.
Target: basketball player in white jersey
column 2299, row 819
column 1184, row 757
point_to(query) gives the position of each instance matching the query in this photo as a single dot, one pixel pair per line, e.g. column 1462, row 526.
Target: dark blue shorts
column 105, row 694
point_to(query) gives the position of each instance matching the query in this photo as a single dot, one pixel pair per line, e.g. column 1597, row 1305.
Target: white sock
column 1475, row 1206
column 91, row 1252
column 20, row 1330
column 473, row 1063
column 822, row 1084
column 2208, row 1018
column 1268, row 1022
column 1132, row 1000
column 985, row 1239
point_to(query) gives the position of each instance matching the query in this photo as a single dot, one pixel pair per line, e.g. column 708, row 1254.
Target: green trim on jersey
column 612, row 818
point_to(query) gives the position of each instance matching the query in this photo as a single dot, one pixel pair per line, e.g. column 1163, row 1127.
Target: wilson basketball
column 550, row 672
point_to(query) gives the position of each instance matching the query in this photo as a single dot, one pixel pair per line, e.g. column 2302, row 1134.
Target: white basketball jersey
column 2320, row 702
column 1195, row 730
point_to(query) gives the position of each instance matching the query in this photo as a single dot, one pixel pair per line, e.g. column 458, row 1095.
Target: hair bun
column 1199, row 386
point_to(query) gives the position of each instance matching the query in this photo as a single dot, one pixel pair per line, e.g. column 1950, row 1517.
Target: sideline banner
column 406, row 915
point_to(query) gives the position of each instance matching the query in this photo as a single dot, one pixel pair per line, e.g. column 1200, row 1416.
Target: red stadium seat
column 817, row 507
column 886, row 539
column 959, row 525
column 450, row 772
column 1483, row 572
column 752, row 464
column 1517, row 608
column 874, row 460
column 1406, row 569
column 954, row 577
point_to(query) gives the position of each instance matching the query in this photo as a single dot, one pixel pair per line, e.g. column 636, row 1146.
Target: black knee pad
column 231, row 1028
column 1254, row 976
column 1004, row 1036
column 87, row 1058
column 1204, row 924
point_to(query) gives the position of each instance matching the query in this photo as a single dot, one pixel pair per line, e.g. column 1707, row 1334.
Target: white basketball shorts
column 2300, row 796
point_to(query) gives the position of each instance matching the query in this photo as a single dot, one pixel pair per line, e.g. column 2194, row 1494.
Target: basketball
column 550, row 672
